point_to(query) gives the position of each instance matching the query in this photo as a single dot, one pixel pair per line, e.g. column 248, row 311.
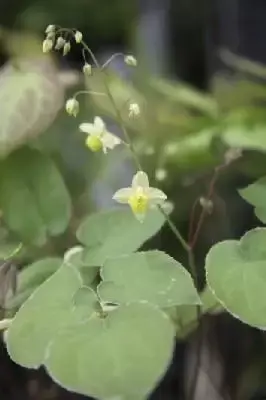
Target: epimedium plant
column 103, row 317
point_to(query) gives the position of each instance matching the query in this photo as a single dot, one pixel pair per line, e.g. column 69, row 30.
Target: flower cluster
column 140, row 196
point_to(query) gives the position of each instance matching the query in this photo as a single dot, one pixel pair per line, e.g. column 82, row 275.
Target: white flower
column 87, row 69
column 140, row 196
column 50, row 29
column 99, row 138
column 72, row 107
column 67, row 48
column 60, row 43
column 47, row 45
column 131, row 60
column 78, row 37
column 134, row 110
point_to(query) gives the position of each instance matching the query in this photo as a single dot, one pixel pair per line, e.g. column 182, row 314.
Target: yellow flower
column 72, row 107
column 99, row 138
column 140, row 196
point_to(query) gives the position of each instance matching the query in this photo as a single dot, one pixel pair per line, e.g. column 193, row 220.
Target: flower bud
column 47, row 45
column 72, row 107
column 78, row 37
column 130, row 60
column 87, row 70
column 50, row 29
column 66, row 48
column 134, row 110
column 60, row 43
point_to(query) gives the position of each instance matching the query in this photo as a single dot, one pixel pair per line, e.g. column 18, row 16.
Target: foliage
column 94, row 303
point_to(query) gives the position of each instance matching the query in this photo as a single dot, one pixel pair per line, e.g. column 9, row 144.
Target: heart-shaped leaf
column 41, row 317
column 122, row 356
column 116, row 232
column 236, row 274
column 151, row 276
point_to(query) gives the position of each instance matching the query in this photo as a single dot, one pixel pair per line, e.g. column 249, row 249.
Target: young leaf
column 113, row 233
column 122, row 356
column 41, row 317
column 236, row 274
column 255, row 194
column 150, row 276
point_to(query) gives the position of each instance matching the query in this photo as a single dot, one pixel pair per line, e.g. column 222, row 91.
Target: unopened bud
column 206, row 204
column 47, row 45
column 50, row 29
column 67, row 48
column 130, row 60
column 60, row 43
column 134, row 110
column 72, row 107
column 78, row 37
column 87, row 70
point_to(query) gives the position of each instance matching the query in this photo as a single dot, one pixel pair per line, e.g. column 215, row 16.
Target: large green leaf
column 41, row 317
column 75, row 257
column 120, row 357
column 31, row 277
column 116, row 232
column 255, row 194
column 150, row 276
column 30, row 97
column 236, row 274
column 33, row 197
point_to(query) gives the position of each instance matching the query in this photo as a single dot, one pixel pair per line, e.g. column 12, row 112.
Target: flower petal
column 122, row 195
column 156, row 196
column 140, row 179
column 99, row 124
column 88, row 128
column 110, row 141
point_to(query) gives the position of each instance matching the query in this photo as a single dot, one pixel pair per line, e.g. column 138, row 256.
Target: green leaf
column 30, row 97
column 236, row 274
column 75, row 258
column 30, row 181
column 113, row 233
column 42, row 316
column 123, row 356
column 246, row 137
column 150, row 276
column 255, row 194
column 31, row 277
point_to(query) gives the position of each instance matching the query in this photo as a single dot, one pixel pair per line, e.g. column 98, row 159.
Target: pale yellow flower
column 140, row 196
column 99, row 138
column 50, row 29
